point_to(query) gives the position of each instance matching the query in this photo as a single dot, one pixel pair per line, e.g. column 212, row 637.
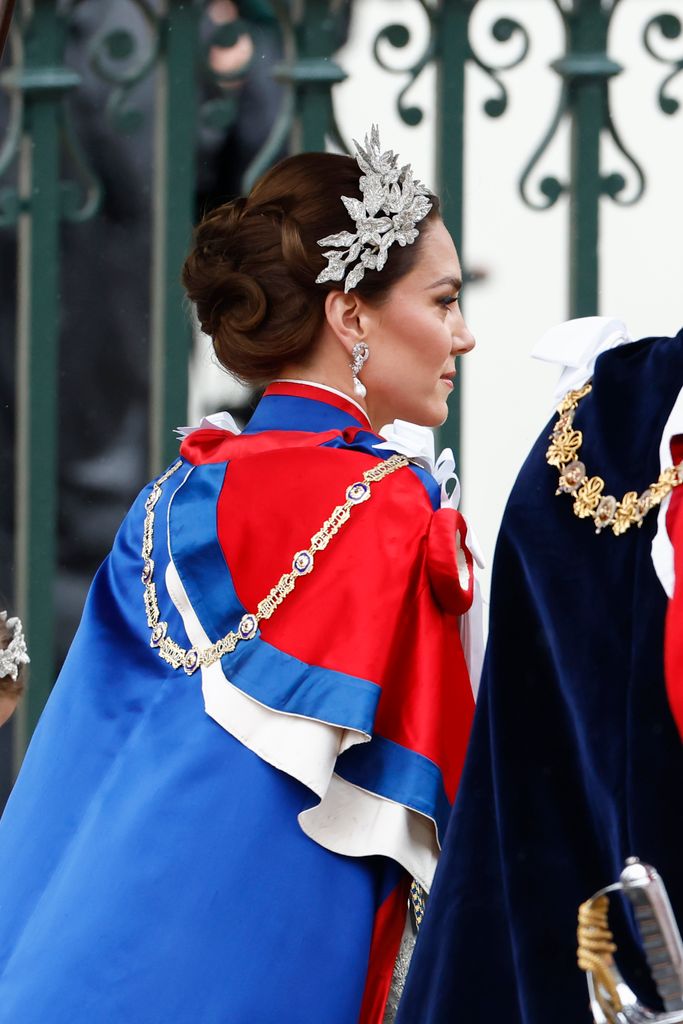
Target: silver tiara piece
column 393, row 203
column 15, row 654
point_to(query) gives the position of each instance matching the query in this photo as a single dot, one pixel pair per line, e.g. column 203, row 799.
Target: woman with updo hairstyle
column 233, row 806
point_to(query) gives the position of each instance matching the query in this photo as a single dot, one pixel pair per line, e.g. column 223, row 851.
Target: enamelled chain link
column 302, row 564
column 587, row 491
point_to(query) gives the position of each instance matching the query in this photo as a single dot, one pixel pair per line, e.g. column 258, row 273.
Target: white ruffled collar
column 575, row 346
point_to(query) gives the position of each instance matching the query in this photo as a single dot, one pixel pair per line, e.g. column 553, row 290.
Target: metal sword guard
column 612, row 1001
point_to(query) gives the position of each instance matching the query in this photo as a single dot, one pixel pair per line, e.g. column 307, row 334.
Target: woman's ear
column 345, row 312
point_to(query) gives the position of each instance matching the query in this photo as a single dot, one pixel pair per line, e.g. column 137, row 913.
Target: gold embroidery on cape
column 191, row 659
column 590, row 502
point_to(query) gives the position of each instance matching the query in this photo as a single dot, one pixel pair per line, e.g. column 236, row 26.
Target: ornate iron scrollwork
column 309, row 72
column 502, row 30
column 579, row 66
column 120, row 58
column 399, row 36
column 670, row 27
column 23, row 80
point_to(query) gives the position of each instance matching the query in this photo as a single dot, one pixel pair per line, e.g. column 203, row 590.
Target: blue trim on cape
column 399, row 774
column 292, row 412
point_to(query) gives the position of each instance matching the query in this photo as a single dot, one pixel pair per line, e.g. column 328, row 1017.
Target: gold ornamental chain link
column 587, row 491
column 302, row 564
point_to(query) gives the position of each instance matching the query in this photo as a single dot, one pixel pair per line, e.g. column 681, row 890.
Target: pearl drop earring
column 360, row 353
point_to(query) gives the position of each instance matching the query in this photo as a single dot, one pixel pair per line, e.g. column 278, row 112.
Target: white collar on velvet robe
column 575, row 346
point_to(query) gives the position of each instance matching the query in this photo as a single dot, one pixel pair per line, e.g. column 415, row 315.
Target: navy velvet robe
column 575, row 762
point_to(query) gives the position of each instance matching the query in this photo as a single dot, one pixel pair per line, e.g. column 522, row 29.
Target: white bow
column 417, row 444
column 217, row 421
column 443, row 473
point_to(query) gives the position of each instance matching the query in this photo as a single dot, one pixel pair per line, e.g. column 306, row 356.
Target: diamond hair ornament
column 15, row 654
column 393, row 203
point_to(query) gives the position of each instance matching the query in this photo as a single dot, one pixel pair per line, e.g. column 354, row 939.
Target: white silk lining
column 461, row 562
column 348, row 820
column 354, row 822
column 473, row 637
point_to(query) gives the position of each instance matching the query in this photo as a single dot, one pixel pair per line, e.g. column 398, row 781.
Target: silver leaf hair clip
column 393, row 203
column 15, row 654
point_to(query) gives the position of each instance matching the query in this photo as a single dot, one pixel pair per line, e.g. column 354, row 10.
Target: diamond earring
column 360, row 353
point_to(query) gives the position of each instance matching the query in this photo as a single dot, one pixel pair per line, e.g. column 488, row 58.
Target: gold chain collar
column 587, row 491
column 302, row 564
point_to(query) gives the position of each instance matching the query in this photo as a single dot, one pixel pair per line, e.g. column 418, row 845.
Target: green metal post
column 174, row 191
column 453, row 52
column 310, row 33
column 587, row 70
column 42, row 80
column 316, row 73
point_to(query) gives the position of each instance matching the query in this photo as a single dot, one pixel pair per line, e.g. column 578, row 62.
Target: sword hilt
column 658, row 930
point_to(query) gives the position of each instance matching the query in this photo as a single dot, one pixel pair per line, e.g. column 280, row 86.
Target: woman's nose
column 463, row 339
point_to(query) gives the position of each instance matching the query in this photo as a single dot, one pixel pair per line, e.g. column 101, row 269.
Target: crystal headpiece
column 393, row 202
column 15, row 654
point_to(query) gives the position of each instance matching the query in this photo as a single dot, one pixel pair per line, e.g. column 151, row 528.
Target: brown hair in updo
column 252, row 269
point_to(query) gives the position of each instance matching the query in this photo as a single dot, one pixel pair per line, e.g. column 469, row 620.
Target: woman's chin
column 423, row 414
column 434, row 415
column 437, row 415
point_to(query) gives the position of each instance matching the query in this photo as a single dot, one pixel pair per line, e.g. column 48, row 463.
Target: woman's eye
column 449, row 300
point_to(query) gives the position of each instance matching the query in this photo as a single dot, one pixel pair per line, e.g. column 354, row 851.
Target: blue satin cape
column 152, row 870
